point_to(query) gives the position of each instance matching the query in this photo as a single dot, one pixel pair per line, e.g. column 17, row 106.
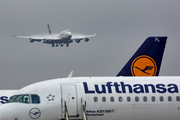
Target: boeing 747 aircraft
column 64, row 37
column 146, row 61
column 97, row 98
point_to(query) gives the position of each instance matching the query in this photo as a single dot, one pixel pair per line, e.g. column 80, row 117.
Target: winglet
column 70, row 74
column 49, row 30
column 146, row 61
column 92, row 35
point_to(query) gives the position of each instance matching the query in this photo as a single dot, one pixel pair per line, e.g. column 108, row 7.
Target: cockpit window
column 35, row 99
column 67, row 30
column 14, row 98
column 25, row 99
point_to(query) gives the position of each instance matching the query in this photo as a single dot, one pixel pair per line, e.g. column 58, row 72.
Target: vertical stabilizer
column 147, row 59
column 49, row 30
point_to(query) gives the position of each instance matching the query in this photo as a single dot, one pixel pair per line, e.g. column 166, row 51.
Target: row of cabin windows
column 153, row 99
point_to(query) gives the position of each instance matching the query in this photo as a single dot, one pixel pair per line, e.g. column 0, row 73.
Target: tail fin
column 147, row 59
column 49, row 30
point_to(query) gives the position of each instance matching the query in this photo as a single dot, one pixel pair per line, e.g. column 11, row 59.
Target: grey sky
column 121, row 27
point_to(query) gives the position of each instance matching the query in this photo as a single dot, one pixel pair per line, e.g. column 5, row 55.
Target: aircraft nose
column 70, row 34
column 1, row 115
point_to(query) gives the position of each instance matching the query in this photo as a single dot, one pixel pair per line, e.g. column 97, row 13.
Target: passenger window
column 169, row 98
column 145, row 98
column 120, row 99
column 35, row 99
column 104, row 99
column 136, row 98
column 25, row 99
column 161, row 98
column 153, row 98
column 95, row 99
column 112, row 99
column 177, row 98
column 128, row 99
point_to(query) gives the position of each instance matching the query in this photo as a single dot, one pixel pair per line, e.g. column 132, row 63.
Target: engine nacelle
column 31, row 40
column 86, row 39
column 38, row 40
column 77, row 41
column 70, row 41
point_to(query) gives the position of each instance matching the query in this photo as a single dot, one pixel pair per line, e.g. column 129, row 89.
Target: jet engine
column 77, row 41
column 86, row 39
column 70, row 41
column 31, row 40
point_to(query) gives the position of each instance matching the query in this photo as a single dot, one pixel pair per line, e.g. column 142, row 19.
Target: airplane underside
column 61, row 43
column 57, row 43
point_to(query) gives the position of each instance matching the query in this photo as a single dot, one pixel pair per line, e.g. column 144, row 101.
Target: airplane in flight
column 64, row 37
column 149, row 51
column 97, row 98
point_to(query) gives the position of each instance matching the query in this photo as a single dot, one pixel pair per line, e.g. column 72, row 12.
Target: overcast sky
column 121, row 26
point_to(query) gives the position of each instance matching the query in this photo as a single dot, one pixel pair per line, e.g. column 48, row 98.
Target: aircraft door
column 69, row 95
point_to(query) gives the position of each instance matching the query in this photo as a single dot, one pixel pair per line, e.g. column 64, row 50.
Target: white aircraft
column 64, row 37
column 149, row 55
column 5, row 95
column 97, row 98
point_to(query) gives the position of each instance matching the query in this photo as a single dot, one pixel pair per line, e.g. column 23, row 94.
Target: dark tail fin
column 49, row 30
column 147, row 59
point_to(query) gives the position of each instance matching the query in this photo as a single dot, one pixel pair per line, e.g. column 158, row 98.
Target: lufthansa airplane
column 64, row 37
column 146, row 61
column 5, row 95
column 98, row 98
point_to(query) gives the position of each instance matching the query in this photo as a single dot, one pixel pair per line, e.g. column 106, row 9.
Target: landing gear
column 59, row 44
column 67, row 45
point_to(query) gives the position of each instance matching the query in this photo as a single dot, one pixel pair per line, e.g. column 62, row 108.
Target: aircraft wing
column 22, row 36
column 29, row 37
column 39, row 37
column 80, row 36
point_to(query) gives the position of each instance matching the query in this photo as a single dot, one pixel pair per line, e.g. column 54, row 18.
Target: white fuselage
column 65, row 35
column 116, row 98
column 5, row 95
column 62, row 37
